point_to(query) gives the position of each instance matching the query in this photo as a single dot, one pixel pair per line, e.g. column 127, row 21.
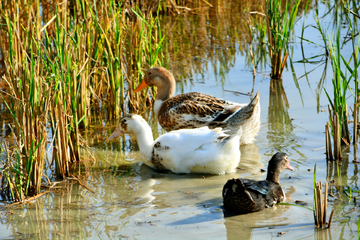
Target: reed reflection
column 280, row 128
column 337, row 174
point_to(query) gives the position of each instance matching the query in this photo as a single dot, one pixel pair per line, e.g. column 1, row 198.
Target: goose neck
column 144, row 138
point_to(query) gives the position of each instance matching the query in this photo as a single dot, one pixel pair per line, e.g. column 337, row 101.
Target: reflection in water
column 337, row 171
column 129, row 201
column 337, row 175
column 243, row 224
column 280, row 128
column 142, row 202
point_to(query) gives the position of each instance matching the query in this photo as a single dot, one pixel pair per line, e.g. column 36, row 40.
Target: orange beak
column 115, row 134
column 141, row 86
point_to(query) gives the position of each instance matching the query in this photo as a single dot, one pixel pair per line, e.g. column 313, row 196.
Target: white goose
column 193, row 110
column 200, row 150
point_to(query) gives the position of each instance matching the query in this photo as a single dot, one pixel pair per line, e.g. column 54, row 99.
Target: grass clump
column 344, row 76
column 279, row 27
column 29, row 105
column 60, row 67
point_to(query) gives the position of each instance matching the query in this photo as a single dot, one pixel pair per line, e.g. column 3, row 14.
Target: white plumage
column 201, row 150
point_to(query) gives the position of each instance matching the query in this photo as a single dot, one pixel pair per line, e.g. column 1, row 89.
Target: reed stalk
column 320, row 204
column 279, row 28
column 329, row 154
column 343, row 76
column 57, row 67
column 29, row 105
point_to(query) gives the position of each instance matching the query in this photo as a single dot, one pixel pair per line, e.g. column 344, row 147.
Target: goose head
column 130, row 123
column 160, row 78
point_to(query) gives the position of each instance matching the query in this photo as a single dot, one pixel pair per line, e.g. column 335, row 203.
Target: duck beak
column 288, row 166
column 115, row 134
column 141, row 86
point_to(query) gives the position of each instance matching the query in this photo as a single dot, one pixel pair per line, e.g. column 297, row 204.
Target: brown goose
column 194, row 110
column 246, row 195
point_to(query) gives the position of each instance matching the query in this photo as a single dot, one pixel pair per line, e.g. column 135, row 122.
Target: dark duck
column 246, row 195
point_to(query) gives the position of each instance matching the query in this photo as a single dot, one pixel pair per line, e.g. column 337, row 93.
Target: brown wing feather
column 198, row 109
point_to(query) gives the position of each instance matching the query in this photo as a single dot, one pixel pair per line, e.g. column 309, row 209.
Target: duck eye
column 149, row 73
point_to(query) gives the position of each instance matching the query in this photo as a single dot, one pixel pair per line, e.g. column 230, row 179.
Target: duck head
column 277, row 163
column 160, row 78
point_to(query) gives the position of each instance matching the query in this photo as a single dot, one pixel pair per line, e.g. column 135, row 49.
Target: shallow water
column 142, row 204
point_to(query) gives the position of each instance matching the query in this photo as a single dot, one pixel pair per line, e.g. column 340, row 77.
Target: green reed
column 340, row 81
column 29, row 106
column 109, row 42
column 148, row 50
column 353, row 34
column 344, row 75
column 279, row 27
column 59, row 73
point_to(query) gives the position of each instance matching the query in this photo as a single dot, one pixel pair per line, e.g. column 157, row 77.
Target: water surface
column 132, row 201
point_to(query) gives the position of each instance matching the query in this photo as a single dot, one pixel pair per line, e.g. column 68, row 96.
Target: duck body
column 194, row 110
column 200, row 150
column 246, row 195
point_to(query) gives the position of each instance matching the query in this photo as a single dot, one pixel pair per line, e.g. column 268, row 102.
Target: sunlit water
column 144, row 204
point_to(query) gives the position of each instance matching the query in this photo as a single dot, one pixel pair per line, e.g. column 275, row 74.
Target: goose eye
column 123, row 124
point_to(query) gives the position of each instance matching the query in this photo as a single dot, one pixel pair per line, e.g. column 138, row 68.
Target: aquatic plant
column 29, row 105
column 56, row 70
column 343, row 76
column 320, row 204
column 279, row 27
column 319, row 207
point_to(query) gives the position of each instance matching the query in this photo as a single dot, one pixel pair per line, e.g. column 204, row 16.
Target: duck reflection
column 244, row 224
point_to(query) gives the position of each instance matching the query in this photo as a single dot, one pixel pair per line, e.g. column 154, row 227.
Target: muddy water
column 131, row 201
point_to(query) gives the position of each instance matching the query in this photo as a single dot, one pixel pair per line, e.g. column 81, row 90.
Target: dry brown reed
column 28, row 105
column 58, row 65
column 340, row 136
column 321, row 206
